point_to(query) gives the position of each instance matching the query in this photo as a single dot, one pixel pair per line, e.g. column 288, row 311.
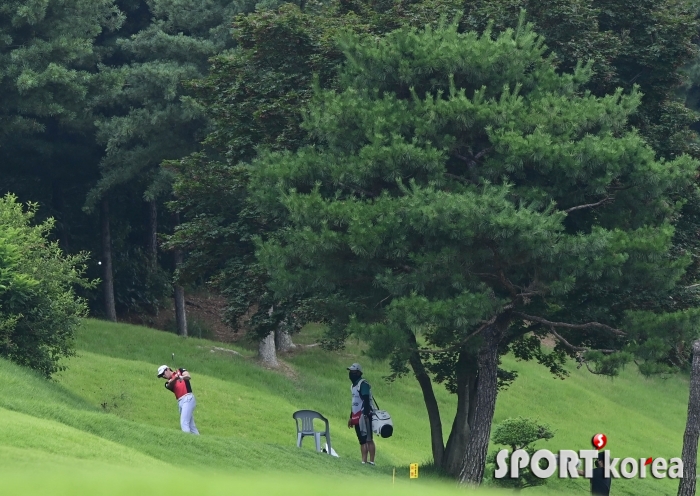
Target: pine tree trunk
column 431, row 405
column 283, row 340
column 686, row 487
column 486, row 390
column 180, row 311
column 107, row 275
column 267, row 352
column 461, row 430
column 152, row 238
column 58, row 204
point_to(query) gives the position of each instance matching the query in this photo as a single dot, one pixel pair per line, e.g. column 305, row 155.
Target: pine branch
column 487, row 323
column 383, row 300
column 454, row 348
column 582, row 361
column 482, row 153
column 589, row 205
column 356, row 190
column 566, row 325
column 572, row 347
column 458, row 178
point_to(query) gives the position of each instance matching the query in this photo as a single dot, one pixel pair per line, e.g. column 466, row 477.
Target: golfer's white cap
column 162, row 369
column 355, row 366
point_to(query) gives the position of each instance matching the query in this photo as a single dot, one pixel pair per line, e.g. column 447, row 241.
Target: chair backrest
column 307, row 420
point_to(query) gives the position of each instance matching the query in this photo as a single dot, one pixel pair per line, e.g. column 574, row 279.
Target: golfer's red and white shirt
column 180, row 388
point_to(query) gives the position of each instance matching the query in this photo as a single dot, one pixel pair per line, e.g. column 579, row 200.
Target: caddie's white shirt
column 356, row 399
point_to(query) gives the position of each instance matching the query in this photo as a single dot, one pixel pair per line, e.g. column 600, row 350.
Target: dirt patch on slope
column 205, row 318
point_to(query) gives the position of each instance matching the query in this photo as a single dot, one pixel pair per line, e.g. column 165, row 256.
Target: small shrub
column 518, row 433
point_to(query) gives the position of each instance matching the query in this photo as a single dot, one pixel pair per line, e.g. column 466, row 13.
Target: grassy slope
column 108, row 407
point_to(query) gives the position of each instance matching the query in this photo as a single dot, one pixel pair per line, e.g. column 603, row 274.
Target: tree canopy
column 149, row 117
column 254, row 95
column 462, row 191
column 47, row 57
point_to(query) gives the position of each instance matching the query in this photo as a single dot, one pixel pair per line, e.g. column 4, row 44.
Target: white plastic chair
column 307, row 428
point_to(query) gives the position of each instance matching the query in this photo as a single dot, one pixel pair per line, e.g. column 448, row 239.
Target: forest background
column 160, row 145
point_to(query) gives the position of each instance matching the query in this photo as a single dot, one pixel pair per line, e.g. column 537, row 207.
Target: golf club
column 176, row 369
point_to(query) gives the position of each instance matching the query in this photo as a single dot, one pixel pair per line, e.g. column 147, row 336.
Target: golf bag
column 381, row 421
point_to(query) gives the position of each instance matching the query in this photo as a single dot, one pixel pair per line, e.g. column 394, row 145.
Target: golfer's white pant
column 187, row 405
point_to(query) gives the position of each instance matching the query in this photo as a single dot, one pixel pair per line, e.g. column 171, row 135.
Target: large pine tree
column 461, row 194
column 49, row 53
column 149, row 117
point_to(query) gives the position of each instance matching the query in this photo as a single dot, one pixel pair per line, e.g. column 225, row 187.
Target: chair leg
column 328, row 440
column 299, row 438
column 317, row 437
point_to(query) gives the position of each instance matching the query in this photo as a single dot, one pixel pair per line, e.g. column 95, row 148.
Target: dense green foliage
column 49, row 51
column 47, row 54
column 39, row 310
column 126, row 61
column 439, row 199
column 647, row 45
column 149, row 118
column 255, row 96
column 462, row 189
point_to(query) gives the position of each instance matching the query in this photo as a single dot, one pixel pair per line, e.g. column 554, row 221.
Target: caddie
column 361, row 412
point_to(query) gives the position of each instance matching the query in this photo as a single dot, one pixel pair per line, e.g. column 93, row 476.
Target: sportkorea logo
column 568, row 462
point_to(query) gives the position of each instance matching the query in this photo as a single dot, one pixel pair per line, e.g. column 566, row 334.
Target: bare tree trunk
column 152, row 239
column 461, row 430
column 686, row 486
column 486, row 390
column 107, row 276
column 266, row 351
column 431, row 405
column 180, row 311
column 152, row 242
column 283, row 340
column 58, row 204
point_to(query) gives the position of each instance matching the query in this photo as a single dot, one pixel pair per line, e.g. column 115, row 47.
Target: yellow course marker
column 414, row 471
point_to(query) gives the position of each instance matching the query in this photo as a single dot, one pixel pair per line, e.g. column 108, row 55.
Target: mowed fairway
column 107, row 426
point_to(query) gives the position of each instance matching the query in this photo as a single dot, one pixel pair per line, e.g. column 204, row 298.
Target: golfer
column 178, row 382
column 361, row 412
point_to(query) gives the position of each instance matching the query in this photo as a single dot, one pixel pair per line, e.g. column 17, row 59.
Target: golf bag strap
column 372, row 399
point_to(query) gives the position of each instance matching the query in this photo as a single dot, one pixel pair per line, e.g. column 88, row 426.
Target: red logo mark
column 648, row 461
column 599, row 441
